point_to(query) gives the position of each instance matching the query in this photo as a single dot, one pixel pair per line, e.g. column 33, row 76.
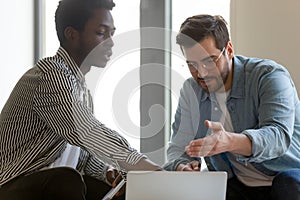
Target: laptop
column 171, row 185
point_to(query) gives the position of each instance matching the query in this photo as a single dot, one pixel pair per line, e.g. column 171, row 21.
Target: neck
column 78, row 58
column 84, row 69
column 228, row 83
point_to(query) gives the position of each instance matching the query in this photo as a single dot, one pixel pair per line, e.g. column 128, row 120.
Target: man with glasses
column 241, row 114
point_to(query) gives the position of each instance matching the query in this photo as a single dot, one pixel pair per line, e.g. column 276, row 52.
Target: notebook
column 167, row 185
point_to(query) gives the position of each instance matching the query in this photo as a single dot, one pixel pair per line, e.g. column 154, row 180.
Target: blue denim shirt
column 263, row 104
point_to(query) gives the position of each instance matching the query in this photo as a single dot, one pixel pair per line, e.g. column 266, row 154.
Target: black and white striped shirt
column 48, row 109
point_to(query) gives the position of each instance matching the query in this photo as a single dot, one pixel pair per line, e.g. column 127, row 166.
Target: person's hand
column 115, row 183
column 192, row 166
column 111, row 174
column 217, row 142
column 114, row 177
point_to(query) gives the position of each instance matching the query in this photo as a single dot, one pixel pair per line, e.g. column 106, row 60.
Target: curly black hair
column 75, row 13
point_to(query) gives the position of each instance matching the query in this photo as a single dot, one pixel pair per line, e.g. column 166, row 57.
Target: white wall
column 261, row 28
column 268, row 29
column 16, row 39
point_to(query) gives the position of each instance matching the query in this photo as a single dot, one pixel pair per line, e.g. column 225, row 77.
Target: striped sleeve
column 59, row 103
column 92, row 166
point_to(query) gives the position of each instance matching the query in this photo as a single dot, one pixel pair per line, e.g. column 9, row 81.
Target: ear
column 71, row 34
column 229, row 49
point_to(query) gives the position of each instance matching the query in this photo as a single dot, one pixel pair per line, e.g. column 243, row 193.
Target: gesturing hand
column 217, row 142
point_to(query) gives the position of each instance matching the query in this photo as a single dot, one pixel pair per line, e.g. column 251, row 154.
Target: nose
column 109, row 42
column 201, row 71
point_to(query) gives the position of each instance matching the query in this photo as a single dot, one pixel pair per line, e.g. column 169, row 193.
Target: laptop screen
column 166, row 185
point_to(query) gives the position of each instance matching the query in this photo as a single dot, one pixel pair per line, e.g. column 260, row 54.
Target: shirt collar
column 62, row 53
column 238, row 82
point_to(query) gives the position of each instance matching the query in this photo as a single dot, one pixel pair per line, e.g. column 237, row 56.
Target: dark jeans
column 285, row 186
column 54, row 184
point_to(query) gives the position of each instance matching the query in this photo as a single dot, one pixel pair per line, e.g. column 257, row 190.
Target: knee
column 65, row 171
column 65, row 178
column 66, row 174
column 65, row 183
column 291, row 176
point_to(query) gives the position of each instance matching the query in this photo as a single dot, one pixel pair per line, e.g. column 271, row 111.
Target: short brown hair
column 196, row 28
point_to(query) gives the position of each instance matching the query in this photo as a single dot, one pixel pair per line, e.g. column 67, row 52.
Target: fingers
column 202, row 144
column 202, row 147
column 200, row 151
column 110, row 175
column 187, row 168
column 215, row 126
column 192, row 166
column 184, row 167
column 116, row 180
column 195, row 165
column 206, row 146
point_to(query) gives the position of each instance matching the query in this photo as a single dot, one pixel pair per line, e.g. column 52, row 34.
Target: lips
column 107, row 55
column 204, row 82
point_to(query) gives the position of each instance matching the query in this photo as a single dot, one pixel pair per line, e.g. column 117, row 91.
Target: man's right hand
column 192, row 166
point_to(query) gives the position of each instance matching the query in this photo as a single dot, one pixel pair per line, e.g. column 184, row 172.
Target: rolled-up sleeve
column 276, row 114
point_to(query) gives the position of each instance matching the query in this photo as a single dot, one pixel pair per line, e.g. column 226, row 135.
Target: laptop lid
column 167, row 185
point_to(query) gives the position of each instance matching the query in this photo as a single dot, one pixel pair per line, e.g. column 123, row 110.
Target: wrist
column 240, row 144
column 180, row 167
column 179, row 163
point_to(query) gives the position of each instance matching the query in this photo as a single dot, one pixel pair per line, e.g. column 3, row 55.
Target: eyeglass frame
column 195, row 66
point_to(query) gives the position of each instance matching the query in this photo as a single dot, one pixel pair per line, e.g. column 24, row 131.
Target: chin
column 100, row 65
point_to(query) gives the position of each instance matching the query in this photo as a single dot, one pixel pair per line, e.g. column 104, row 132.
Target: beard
column 215, row 83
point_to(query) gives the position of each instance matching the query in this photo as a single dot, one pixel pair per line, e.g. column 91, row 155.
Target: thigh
column 236, row 190
column 96, row 189
column 52, row 184
column 286, row 185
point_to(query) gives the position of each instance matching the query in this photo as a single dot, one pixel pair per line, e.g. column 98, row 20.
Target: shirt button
column 216, row 108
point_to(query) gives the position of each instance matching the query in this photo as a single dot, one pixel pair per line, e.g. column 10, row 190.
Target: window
column 180, row 12
column 50, row 37
column 116, row 97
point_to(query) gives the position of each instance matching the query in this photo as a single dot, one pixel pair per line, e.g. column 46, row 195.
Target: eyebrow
column 106, row 26
column 190, row 62
column 209, row 57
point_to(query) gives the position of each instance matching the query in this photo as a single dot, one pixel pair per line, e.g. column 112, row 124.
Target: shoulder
column 190, row 85
column 55, row 71
column 257, row 67
column 52, row 65
column 192, row 91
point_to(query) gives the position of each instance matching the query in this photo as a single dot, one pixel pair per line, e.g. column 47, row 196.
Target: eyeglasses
column 208, row 63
